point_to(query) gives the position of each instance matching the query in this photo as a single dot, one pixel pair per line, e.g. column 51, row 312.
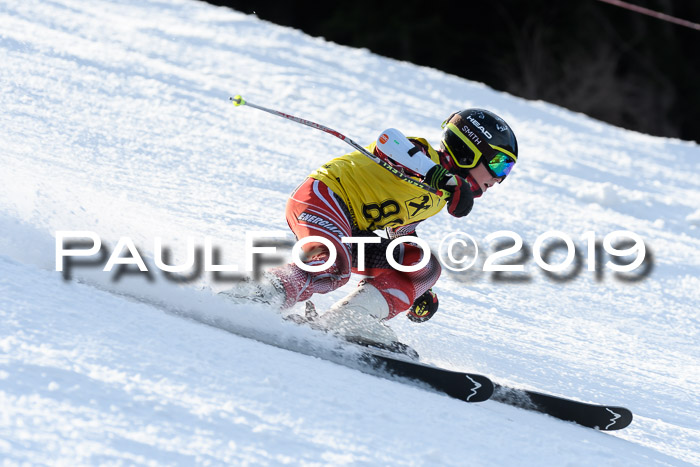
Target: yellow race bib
column 377, row 198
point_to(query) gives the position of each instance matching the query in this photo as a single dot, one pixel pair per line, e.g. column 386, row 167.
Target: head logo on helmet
column 463, row 139
column 479, row 126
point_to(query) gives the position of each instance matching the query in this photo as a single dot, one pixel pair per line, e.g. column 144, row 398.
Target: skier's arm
column 461, row 200
column 401, row 150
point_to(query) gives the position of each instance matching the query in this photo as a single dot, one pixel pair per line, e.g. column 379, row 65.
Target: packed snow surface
column 115, row 119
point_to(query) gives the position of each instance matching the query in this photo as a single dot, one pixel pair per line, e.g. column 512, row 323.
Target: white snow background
column 115, row 118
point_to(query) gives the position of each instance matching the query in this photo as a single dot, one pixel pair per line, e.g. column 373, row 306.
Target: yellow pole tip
column 238, row 100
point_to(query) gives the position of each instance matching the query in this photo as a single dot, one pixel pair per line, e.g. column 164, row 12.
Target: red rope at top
column 654, row 14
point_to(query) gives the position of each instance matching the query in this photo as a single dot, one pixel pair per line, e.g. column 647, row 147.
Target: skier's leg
column 400, row 289
column 313, row 209
column 381, row 296
column 359, row 315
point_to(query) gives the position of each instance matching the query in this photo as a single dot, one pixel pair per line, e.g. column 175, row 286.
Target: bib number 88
column 375, row 213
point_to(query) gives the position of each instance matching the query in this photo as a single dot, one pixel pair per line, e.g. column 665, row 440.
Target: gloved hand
column 424, row 307
column 462, row 199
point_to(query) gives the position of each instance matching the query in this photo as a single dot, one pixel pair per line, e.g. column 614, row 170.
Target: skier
column 352, row 196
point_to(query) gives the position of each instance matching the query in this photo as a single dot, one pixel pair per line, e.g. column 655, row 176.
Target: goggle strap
column 444, row 123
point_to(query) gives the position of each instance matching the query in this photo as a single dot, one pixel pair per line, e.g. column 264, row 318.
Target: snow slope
column 115, row 118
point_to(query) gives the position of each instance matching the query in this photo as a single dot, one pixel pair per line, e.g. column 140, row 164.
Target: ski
column 398, row 359
column 468, row 387
column 600, row 417
column 472, row 387
column 402, row 361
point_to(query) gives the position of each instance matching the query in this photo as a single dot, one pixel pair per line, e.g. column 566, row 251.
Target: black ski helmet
column 475, row 135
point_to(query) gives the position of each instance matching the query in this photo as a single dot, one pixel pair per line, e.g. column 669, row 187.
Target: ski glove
column 424, row 307
column 462, row 199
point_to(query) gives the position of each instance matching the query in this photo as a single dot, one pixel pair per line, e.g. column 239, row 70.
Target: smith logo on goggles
column 500, row 160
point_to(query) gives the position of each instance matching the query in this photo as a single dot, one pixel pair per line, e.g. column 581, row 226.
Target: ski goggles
column 500, row 161
column 501, row 164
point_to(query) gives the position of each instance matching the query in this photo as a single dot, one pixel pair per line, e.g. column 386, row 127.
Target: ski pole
column 238, row 101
